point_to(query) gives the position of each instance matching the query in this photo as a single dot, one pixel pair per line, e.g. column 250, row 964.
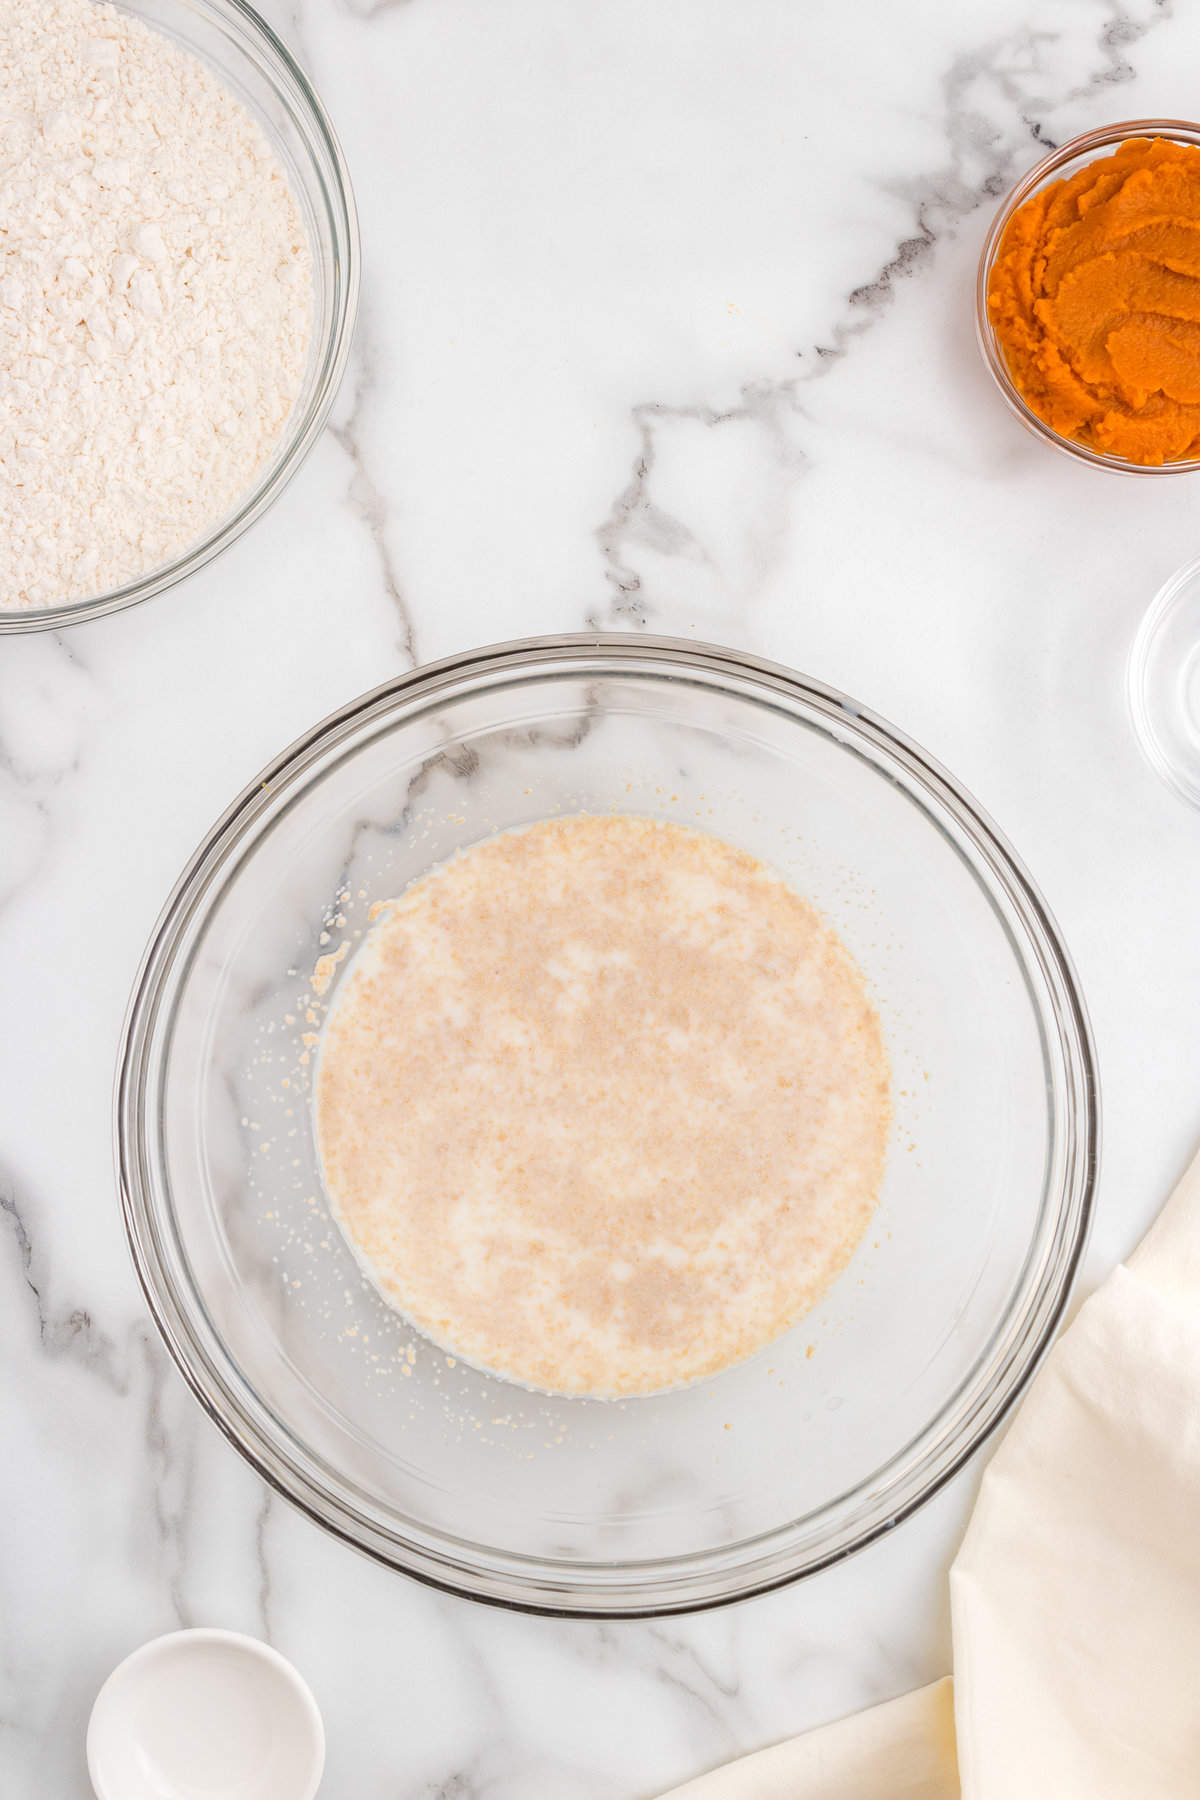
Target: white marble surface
column 667, row 321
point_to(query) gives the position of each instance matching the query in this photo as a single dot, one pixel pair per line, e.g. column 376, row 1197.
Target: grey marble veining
column 667, row 321
column 998, row 97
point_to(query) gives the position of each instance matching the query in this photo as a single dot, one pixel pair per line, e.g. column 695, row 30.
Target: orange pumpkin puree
column 1094, row 297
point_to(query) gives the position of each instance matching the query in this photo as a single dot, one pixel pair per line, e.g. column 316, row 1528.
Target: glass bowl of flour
column 685, row 785
column 177, row 293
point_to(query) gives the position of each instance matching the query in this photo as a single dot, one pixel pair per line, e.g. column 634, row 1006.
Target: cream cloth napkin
column 1076, row 1595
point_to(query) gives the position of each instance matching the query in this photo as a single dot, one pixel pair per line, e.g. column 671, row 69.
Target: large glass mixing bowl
column 795, row 1458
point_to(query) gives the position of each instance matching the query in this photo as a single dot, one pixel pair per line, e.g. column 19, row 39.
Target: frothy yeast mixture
column 603, row 1105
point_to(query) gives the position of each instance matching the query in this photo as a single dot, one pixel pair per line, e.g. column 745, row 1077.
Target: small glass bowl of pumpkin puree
column 1088, row 298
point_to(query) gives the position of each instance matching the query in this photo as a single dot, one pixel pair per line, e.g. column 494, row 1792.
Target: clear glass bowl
column 1163, row 683
column 1059, row 164
column 779, row 1466
column 256, row 67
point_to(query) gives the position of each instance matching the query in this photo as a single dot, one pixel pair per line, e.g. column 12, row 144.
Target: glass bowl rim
column 1137, row 675
column 300, row 433
column 692, row 1581
column 1076, row 149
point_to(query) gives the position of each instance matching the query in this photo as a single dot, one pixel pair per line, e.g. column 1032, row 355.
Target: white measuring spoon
column 205, row 1715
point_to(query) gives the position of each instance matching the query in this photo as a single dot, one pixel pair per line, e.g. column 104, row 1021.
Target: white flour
column 155, row 300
